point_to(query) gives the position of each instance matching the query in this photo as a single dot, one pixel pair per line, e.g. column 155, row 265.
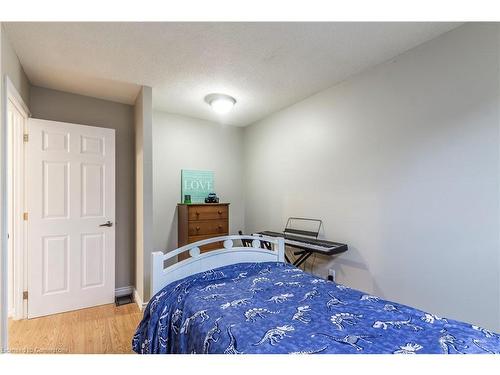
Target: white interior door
column 70, row 196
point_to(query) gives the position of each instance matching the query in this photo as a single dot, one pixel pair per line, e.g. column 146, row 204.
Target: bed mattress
column 276, row 308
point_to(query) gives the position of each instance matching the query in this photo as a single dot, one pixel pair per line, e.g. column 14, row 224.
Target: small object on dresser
column 187, row 199
column 212, row 198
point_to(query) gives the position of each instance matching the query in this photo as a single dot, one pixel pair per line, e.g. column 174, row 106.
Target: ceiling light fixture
column 220, row 103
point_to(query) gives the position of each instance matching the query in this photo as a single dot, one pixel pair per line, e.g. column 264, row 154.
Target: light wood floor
column 102, row 329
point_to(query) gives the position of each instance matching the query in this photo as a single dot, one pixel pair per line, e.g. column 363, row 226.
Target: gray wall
column 9, row 65
column 402, row 163
column 61, row 106
column 12, row 67
column 181, row 142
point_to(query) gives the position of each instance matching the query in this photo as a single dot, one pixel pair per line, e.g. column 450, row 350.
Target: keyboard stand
column 304, row 255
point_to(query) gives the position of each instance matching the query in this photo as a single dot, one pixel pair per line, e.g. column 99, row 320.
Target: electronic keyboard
column 309, row 244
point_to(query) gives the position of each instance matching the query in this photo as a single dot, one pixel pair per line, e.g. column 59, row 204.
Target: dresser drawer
column 216, row 227
column 214, row 245
column 198, row 222
column 207, row 212
column 203, row 249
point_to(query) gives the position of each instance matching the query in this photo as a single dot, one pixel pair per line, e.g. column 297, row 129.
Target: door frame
column 19, row 225
column 7, row 92
column 17, row 156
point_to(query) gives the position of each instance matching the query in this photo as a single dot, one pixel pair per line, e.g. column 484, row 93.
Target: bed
column 247, row 300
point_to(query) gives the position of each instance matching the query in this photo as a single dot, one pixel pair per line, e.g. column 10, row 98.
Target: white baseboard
column 139, row 301
column 123, row 291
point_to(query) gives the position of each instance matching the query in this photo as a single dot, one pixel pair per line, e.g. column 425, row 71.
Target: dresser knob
column 197, row 228
column 220, row 227
column 197, row 213
column 220, row 212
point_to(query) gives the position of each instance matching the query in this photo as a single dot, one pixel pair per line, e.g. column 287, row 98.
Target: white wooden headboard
column 231, row 254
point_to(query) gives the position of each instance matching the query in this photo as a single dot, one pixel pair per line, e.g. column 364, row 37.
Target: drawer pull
column 220, row 227
column 197, row 213
column 220, row 212
column 197, row 228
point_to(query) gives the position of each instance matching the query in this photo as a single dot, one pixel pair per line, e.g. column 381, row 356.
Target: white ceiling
column 265, row 66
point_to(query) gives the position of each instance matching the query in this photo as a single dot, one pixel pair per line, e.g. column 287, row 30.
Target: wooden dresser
column 200, row 221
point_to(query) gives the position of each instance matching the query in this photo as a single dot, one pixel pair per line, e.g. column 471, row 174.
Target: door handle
column 107, row 224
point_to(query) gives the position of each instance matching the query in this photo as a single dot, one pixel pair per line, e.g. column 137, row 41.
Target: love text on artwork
column 205, row 185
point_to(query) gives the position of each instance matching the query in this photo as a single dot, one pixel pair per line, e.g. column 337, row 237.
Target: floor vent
column 123, row 300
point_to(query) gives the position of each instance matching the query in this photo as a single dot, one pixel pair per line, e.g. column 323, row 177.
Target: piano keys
column 307, row 246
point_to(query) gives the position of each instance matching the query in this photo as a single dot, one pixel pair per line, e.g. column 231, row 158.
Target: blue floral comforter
column 277, row 308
